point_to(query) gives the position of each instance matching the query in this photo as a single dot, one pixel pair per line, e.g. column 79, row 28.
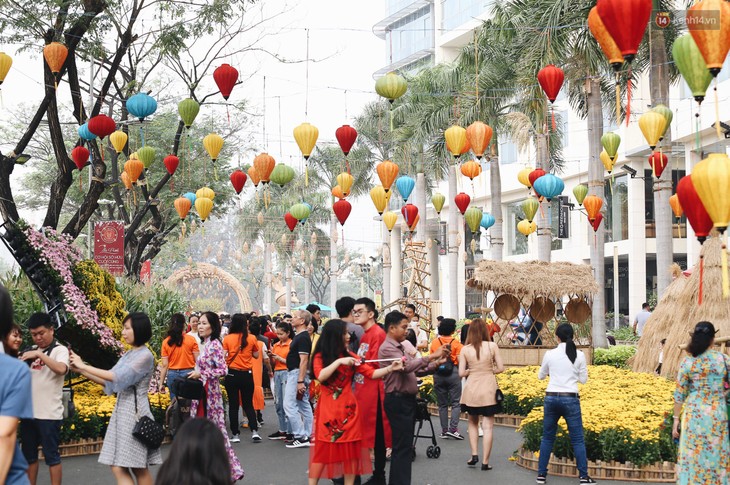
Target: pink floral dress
column 212, row 366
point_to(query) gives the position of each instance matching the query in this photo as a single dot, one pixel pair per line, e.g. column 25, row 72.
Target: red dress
column 338, row 448
column 369, row 391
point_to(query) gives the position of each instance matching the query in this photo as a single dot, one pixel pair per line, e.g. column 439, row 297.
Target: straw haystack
column 678, row 312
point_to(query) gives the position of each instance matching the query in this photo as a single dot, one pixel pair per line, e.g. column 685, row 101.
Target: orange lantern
column 676, row 206
column 264, row 165
column 133, row 168
column 126, row 181
column 604, row 39
column 337, row 192
column 387, row 172
column 55, row 54
column 712, row 41
column 471, row 169
column 254, row 176
column 182, row 206
column 479, row 135
column 592, row 204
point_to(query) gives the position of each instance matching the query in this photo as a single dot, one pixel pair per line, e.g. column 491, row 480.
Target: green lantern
column 580, row 191
column 282, row 174
column 146, row 155
column 300, row 211
column 610, row 142
column 692, row 66
column 529, row 207
column 391, row 86
column 665, row 112
column 438, row 202
column 188, row 109
column 473, row 218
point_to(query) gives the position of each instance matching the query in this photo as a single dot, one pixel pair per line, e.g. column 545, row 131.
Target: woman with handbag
column 123, row 450
column 211, row 367
column 179, row 353
column 479, row 361
column 446, row 380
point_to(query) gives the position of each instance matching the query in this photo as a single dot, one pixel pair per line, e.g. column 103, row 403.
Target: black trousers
column 240, row 381
column 401, row 411
column 379, row 450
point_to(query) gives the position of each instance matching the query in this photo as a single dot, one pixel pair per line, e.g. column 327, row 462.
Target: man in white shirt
column 414, row 323
column 641, row 318
column 48, row 361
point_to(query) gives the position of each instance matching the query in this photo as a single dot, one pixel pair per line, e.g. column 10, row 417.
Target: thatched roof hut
column 678, row 312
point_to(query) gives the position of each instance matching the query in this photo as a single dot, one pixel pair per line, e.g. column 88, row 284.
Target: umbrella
column 322, row 307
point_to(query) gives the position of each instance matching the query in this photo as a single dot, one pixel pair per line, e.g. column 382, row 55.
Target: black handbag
column 189, row 389
column 148, row 431
column 498, row 394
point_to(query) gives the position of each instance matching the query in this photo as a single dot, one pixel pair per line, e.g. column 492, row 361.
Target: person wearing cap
column 700, row 411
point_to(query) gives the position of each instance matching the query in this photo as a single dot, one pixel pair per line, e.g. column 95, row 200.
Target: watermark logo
column 684, row 19
column 662, row 20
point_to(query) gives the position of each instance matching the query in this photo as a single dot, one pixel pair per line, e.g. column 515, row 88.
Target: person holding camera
column 446, row 380
column 49, row 362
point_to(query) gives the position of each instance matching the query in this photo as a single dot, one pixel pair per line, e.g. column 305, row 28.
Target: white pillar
column 452, row 309
column 637, row 241
column 433, row 267
column 386, row 267
column 395, row 269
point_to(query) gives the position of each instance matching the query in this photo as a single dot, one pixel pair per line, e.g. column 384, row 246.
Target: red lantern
column 694, row 210
column 346, row 136
column 658, row 162
column 171, row 162
column 342, row 210
column 595, row 223
column 101, row 126
column 238, row 179
column 291, row 223
column 462, row 202
column 536, row 174
column 80, row 156
column 225, row 78
column 626, row 21
column 410, row 212
column 551, row 80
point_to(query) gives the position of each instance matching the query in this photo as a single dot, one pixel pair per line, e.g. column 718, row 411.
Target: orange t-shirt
column 455, row 347
column 244, row 359
column 282, row 350
column 180, row 357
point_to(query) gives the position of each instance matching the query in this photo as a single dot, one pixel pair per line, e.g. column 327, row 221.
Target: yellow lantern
column 390, row 218
column 653, row 125
column 711, row 179
column 5, row 62
column 306, row 137
column 607, row 161
column 456, row 140
column 526, row 227
column 213, row 143
column 206, row 193
column 380, row 198
column 524, row 177
column 345, row 181
column 676, row 206
column 118, row 139
column 203, row 205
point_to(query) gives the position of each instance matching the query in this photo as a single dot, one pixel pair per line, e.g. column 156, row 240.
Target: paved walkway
column 270, row 463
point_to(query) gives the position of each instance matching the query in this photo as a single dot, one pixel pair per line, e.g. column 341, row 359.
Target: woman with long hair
column 338, row 449
column 130, row 380
column 704, row 451
column 197, row 457
column 313, row 335
column 241, row 348
column 278, row 354
column 211, row 367
column 566, row 367
column 479, row 361
column 179, row 353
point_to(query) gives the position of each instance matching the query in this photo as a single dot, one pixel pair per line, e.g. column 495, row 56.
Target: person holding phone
column 278, row 355
column 446, row 380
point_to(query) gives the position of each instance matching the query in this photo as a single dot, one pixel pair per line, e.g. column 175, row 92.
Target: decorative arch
column 207, row 270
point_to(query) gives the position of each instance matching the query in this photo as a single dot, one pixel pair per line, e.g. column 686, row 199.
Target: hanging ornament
column 379, row 198
column 462, row 201
column 676, row 206
column 301, row 211
column 456, row 140
column 413, row 225
column 126, row 181
column 203, row 205
column 592, row 204
column 471, row 169
column 225, row 78
column 254, row 176
column 626, row 21
column 345, row 181
column 438, row 201
column 548, row 186
column 387, row 173
column 342, row 209
column 260, row 219
column 604, row 39
column 487, row 221
column 80, row 156
column 134, row 169
column 410, row 212
column 690, row 63
column 526, row 227
column 291, row 221
column 306, row 137
column 188, row 110
column 608, row 163
column 693, row 208
column 238, row 180
column 171, row 163
column 390, row 218
column 529, row 207
column 55, row 55
column 667, row 114
column 182, row 206
column 580, row 191
column 653, row 125
column 596, row 223
column 337, row 192
column 535, row 174
column 119, row 140
column 5, row 63
column 551, row 80
column 84, row 132
column 391, row 86
column 711, row 180
column 147, row 155
column 141, row 105
column 658, row 162
column 205, row 192
column 213, row 144
column 282, row 175
column 523, row 176
column 611, row 142
column 264, row 165
column 713, row 41
column 101, row 126
column 479, row 135
column 473, row 218
column 346, row 136
column 405, row 185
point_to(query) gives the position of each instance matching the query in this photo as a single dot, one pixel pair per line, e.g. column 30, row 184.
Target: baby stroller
column 422, row 414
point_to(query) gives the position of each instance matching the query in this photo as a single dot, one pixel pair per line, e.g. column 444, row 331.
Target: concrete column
column 395, row 269
column 386, row 266
column 691, row 158
column 433, row 267
column 637, row 241
column 455, row 265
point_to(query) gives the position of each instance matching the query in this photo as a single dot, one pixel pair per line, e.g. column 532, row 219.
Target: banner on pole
column 109, row 246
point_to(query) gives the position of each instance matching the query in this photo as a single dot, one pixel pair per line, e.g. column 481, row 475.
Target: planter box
column 83, row 447
column 600, row 470
column 508, row 420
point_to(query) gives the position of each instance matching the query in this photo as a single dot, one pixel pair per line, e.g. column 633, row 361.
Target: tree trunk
column 307, row 284
column 267, row 277
column 454, row 248
column 288, row 285
column 544, row 228
column 420, row 203
column 594, row 121
column 333, row 259
column 495, row 188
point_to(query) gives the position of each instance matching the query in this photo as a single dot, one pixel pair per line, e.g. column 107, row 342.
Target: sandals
column 485, row 466
column 474, row 460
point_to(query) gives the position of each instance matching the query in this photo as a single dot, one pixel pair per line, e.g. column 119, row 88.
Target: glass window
column 507, row 151
column 409, row 35
column 516, row 242
column 649, row 202
column 458, row 12
column 616, row 215
column 564, row 126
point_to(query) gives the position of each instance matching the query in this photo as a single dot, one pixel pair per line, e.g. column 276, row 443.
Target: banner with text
column 109, row 246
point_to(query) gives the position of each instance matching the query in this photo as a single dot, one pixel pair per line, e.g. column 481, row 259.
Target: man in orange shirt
column 446, row 380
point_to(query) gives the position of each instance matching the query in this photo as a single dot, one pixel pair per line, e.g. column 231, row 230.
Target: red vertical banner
column 109, row 246
column 145, row 273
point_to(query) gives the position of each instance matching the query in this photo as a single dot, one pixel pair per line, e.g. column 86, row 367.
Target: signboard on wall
column 109, row 246
column 563, row 217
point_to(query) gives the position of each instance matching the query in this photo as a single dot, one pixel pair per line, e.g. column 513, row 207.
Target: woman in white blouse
column 566, row 368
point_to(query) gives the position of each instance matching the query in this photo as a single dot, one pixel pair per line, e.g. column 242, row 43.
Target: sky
column 332, row 87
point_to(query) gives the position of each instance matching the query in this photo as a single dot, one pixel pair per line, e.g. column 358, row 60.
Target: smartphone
column 300, row 394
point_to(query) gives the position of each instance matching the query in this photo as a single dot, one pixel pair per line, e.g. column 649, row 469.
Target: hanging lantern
column 291, row 221
column 391, row 86
column 658, row 162
column 456, row 140
column 413, row 225
column 254, row 176
column 390, row 218
column 711, row 180
column 264, row 165
column 604, row 39
column 301, row 211
column 345, row 180
column 203, row 205
column 462, row 201
column 337, row 192
column 526, row 227
column 549, row 186
column 380, row 198
column 713, row 41
column 610, row 142
column 126, row 181
column 596, row 223
column 693, row 208
column 182, row 206
column 653, row 125
column 346, row 136
column 205, row 192
column 487, row 221
column 405, row 185
column 676, row 206
column 84, row 132
column 5, row 63
column 626, row 22
column 473, row 218
column 471, row 169
column 80, row 156
column 690, row 63
column 306, row 137
column 666, row 113
column 580, row 191
column 438, row 201
column 409, row 212
column 141, row 105
column 551, row 80
column 523, row 176
column 592, row 204
column 101, row 126
column 188, row 110
column 134, row 169
column 225, row 78
column 479, row 135
column 55, row 54
column 238, row 180
column 171, row 163
column 342, row 209
column 190, row 196
column 535, row 174
column 387, row 173
column 530, row 206
column 608, row 163
column 213, row 143
column 147, row 155
column 282, row 175
column 260, row 219
column 119, row 140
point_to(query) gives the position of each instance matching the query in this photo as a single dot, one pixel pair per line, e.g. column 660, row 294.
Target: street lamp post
column 364, row 271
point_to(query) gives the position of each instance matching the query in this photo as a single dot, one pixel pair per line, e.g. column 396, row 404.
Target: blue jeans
column 173, row 374
column 298, row 412
column 279, row 385
column 568, row 408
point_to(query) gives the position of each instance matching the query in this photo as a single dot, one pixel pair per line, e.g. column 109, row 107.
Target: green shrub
column 624, row 334
column 616, row 356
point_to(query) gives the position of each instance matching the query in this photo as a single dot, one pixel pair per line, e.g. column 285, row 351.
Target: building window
column 457, row 12
column 562, row 118
column 507, row 151
column 616, row 215
column 410, row 35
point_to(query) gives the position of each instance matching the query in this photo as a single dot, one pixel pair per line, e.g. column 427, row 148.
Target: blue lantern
column 141, row 105
column 405, row 186
column 488, row 220
column 191, row 197
column 84, row 132
column 549, row 186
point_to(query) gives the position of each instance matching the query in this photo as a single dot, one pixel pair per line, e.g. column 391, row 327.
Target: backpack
column 177, row 413
column 447, row 368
